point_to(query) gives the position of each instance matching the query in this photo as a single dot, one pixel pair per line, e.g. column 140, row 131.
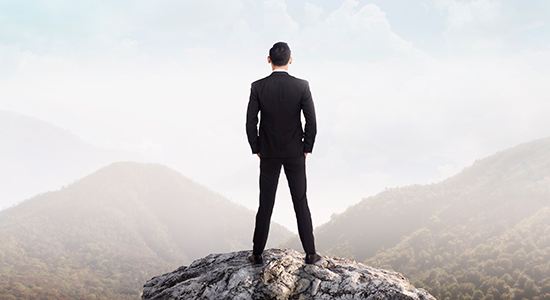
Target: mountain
column 483, row 230
column 37, row 156
column 514, row 264
column 104, row 235
column 283, row 275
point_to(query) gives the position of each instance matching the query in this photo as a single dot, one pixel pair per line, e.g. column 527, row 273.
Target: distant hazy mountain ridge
column 37, row 156
column 104, row 235
column 451, row 236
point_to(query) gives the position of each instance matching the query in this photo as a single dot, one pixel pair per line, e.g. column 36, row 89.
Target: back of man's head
column 279, row 54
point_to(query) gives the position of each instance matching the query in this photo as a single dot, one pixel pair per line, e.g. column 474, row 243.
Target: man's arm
column 311, row 123
column 252, row 122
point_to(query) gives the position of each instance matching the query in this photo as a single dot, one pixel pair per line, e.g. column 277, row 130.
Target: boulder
column 283, row 275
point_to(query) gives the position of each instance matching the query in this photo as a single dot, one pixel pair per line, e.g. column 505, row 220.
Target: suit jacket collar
column 279, row 73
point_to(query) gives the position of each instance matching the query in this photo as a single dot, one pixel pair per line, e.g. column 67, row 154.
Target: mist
column 401, row 98
column 406, row 93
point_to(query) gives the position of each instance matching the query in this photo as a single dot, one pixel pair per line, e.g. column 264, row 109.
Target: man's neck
column 279, row 68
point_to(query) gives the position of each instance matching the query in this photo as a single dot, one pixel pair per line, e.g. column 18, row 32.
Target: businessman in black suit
column 281, row 141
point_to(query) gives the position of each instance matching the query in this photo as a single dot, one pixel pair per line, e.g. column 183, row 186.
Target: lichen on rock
column 283, row 275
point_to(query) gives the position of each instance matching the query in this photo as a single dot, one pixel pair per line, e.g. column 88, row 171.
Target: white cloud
column 278, row 24
column 490, row 24
column 10, row 57
column 312, row 14
column 353, row 33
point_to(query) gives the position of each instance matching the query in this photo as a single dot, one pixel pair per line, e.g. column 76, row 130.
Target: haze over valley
column 37, row 156
column 483, row 232
column 107, row 233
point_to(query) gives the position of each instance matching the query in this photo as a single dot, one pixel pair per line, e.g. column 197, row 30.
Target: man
column 280, row 99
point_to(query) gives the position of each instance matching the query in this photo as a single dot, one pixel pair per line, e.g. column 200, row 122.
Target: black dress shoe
column 256, row 259
column 312, row 258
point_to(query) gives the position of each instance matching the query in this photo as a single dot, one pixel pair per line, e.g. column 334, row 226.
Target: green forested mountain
column 103, row 236
column 512, row 265
column 484, row 233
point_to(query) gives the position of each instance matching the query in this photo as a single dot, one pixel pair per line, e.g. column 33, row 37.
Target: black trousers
column 295, row 171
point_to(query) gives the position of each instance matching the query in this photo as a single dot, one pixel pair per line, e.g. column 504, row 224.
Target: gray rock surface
column 283, row 275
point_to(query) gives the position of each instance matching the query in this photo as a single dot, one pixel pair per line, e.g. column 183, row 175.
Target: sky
column 406, row 92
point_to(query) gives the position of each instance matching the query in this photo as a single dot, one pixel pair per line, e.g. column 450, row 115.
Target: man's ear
column 268, row 60
column 290, row 60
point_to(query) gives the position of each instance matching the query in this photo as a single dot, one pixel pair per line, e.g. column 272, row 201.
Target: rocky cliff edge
column 283, row 275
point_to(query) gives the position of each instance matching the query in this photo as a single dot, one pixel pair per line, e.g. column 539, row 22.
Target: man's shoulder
column 299, row 84
column 278, row 76
column 300, row 80
column 259, row 80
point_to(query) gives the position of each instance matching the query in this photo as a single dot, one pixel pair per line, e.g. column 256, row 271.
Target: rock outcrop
column 283, row 275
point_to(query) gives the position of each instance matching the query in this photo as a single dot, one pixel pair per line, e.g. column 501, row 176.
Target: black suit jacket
column 280, row 98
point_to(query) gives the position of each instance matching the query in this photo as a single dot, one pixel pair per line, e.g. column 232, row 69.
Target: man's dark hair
column 279, row 54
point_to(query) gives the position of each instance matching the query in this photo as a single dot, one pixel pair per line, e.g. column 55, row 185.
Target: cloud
column 312, row 14
column 352, row 33
column 93, row 28
column 490, row 24
column 277, row 22
column 10, row 57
